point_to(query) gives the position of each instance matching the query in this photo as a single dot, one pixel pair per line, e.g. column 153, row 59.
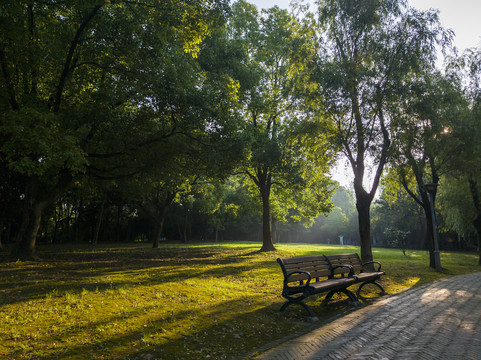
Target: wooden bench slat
column 307, row 265
column 345, row 259
column 323, row 263
column 301, row 259
column 314, row 275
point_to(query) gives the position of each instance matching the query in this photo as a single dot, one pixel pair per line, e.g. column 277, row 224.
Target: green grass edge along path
column 217, row 301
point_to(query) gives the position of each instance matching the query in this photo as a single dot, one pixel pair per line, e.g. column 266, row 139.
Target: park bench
column 305, row 276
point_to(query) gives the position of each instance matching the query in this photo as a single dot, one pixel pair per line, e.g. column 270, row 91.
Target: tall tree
column 432, row 103
column 75, row 73
column 368, row 48
column 287, row 142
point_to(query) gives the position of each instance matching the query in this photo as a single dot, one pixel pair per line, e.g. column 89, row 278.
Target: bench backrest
column 345, row 259
column 317, row 266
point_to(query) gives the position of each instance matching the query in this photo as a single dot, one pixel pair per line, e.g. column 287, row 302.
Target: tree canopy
column 208, row 119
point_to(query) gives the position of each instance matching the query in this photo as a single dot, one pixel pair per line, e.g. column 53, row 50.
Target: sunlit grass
column 217, row 301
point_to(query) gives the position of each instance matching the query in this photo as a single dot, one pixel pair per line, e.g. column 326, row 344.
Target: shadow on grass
column 189, row 345
column 220, row 328
column 91, row 270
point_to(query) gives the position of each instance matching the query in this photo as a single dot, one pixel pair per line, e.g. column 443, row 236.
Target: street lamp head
column 431, row 187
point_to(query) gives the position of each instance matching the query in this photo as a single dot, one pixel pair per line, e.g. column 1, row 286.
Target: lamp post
column 431, row 189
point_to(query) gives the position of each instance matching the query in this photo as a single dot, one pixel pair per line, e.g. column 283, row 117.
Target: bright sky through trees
column 462, row 16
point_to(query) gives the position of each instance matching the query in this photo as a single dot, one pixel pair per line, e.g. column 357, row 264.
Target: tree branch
column 68, row 67
column 404, row 183
column 253, row 177
column 384, row 152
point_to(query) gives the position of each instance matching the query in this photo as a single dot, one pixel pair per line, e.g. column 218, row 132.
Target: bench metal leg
column 312, row 316
column 347, row 292
column 329, row 296
column 383, row 292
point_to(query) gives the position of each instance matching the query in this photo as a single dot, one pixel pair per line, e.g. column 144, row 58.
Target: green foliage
column 336, row 223
column 222, row 204
column 461, row 193
column 39, row 143
column 96, row 76
column 105, row 89
column 456, row 205
column 367, row 39
column 397, row 218
column 422, row 127
column 397, row 238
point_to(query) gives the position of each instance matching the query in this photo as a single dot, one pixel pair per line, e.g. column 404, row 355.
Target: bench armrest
column 299, row 291
column 373, row 262
column 351, row 270
column 286, row 280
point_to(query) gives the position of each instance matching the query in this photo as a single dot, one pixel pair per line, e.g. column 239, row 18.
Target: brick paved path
column 441, row 320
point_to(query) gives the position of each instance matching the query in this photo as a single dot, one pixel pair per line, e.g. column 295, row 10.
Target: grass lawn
column 204, row 301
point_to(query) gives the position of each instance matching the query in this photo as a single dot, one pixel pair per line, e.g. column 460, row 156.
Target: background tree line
column 204, row 120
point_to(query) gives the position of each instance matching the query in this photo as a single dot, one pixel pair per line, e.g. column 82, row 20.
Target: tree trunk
column 67, row 224
column 35, row 202
column 57, row 218
column 8, row 232
column 95, row 240
column 477, row 226
column 473, row 186
column 185, row 230
column 423, row 199
column 157, row 231
column 118, row 224
column 267, row 244
column 76, row 225
column 156, row 214
column 24, row 248
column 158, row 226
column 429, row 232
column 37, row 198
column 363, row 205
